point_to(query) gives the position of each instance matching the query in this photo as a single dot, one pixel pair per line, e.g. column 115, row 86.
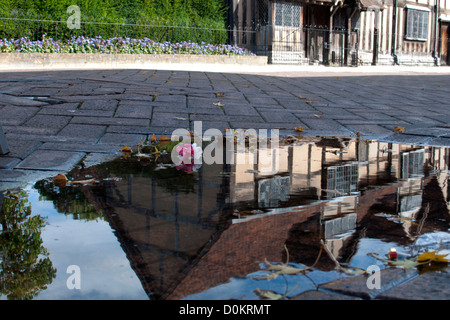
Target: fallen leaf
column 353, row 271
column 180, row 118
column 318, row 115
column 220, row 94
column 299, row 129
column 310, row 101
column 399, row 129
column 154, row 97
column 164, row 138
column 153, row 138
column 304, row 98
column 358, row 134
column 268, row 294
column 60, row 180
column 170, row 82
column 126, row 149
column 432, row 256
column 83, row 182
column 405, row 263
column 218, row 103
column 142, row 155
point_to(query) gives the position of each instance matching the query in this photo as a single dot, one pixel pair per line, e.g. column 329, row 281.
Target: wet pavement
column 55, row 119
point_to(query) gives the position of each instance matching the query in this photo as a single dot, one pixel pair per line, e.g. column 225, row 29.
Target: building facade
column 343, row 32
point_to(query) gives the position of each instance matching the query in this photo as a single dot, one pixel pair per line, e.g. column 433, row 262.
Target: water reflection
column 25, row 266
column 188, row 233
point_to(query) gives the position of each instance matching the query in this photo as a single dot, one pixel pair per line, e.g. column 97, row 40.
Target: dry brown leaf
column 153, row 138
column 126, row 149
column 60, row 180
column 299, row 129
column 399, row 129
column 83, row 182
column 221, row 94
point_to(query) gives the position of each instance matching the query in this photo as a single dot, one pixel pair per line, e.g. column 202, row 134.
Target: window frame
column 417, row 23
column 286, row 10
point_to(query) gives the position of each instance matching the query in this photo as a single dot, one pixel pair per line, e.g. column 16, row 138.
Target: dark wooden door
column 445, row 57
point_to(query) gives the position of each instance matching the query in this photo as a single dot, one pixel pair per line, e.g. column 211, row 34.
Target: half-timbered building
column 343, row 32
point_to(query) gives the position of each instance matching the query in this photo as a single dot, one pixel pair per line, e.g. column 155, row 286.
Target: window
column 417, row 23
column 287, row 14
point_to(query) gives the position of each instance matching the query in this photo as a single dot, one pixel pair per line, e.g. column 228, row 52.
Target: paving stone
column 106, row 105
column 7, row 162
column 122, row 139
column 239, row 110
column 407, row 138
column 370, row 130
column 77, row 112
column 15, row 115
column 21, row 148
column 110, row 121
column 19, row 101
column 323, row 295
column 226, row 118
column 11, row 179
column 82, row 133
column 209, row 110
column 51, row 160
column 129, row 129
column 48, row 122
column 356, row 286
column 163, row 119
column 438, row 142
column 265, row 125
column 277, row 116
column 427, row 286
column 134, row 111
column 81, row 147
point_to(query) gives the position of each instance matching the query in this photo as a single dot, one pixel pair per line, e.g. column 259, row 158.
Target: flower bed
column 117, row 46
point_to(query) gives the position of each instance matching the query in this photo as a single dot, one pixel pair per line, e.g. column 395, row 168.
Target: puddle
column 133, row 229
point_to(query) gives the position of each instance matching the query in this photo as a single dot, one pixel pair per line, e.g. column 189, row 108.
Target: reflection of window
column 273, row 190
column 343, row 178
column 287, row 14
column 416, row 23
column 412, row 163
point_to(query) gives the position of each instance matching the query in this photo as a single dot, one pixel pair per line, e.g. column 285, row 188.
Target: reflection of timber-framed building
column 343, row 32
column 184, row 240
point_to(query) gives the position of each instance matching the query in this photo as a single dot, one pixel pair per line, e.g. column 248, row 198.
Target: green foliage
column 25, row 268
column 114, row 18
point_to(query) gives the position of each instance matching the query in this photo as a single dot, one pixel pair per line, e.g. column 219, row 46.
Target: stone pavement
column 52, row 119
column 55, row 118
